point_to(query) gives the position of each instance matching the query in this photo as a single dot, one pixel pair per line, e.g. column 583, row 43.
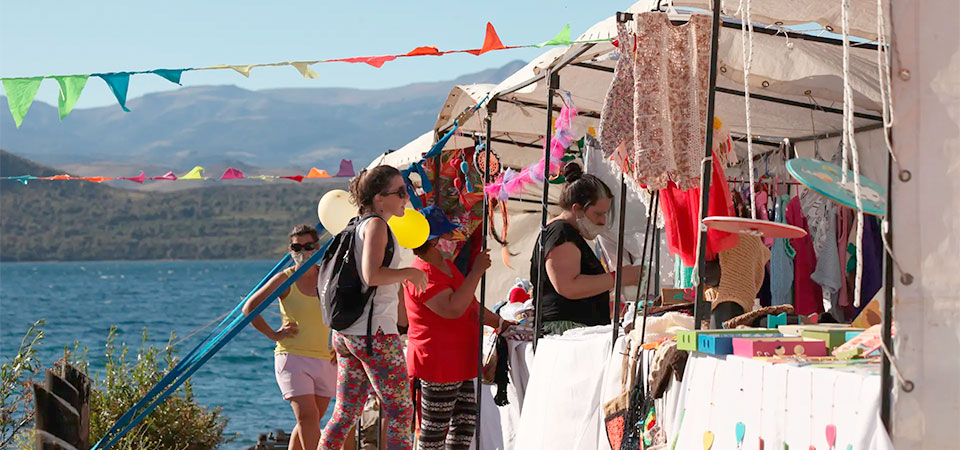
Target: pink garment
column 808, row 296
column 681, row 218
column 762, row 214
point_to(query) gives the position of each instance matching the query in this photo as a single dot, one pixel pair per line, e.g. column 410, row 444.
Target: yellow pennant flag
column 195, row 174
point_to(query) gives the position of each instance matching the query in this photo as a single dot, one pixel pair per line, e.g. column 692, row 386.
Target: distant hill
column 79, row 220
column 207, row 125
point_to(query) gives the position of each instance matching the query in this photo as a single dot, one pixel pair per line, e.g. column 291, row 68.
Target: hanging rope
column 850, row 147
column 746, row 47
column 883, row 66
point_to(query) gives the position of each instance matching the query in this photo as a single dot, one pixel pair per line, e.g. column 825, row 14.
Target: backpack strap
column 387, row 259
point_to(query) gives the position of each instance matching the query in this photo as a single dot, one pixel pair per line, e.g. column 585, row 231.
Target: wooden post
column 62, row 411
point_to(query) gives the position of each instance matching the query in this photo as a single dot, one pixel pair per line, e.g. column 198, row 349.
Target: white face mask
column 298, row 258
column 588, row 229
column 446, row 246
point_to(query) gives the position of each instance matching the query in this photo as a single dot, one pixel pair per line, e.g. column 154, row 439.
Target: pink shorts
column 302, row 375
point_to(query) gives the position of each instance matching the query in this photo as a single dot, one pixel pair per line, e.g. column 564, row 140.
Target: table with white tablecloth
column 557, row 399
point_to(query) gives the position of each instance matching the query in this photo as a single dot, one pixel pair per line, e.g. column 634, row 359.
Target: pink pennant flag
column 375, row 61
column 297, row 178
column 231, row 174
column 167, row 176
column 136, row 179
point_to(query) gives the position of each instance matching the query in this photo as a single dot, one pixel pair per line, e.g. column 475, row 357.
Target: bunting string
column 197, row 173
column 20, row 91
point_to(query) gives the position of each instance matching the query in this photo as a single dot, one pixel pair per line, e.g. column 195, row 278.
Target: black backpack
column 343, row 295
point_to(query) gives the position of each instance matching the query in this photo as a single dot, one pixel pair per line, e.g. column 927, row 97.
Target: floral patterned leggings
column 386, row 371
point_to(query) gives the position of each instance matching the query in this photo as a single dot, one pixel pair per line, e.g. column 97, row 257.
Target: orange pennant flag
column 491, row 41
column 317, row 173
column 96, row 179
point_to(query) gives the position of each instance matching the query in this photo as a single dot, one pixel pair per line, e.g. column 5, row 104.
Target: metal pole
column 886, row 382
column 553, row 84
column 491, row 109
column 618, row 282
column 643, row 260
column 656, row 236
column 699, row 308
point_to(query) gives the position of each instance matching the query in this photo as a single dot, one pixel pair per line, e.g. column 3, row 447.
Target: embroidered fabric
column 670, row 71
column 616, row 117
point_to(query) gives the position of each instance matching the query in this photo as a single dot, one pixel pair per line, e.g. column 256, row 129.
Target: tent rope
column 850, row 147
column 883, row 66
column 746, row 48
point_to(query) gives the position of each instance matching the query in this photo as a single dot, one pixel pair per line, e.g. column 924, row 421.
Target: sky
column 62, row 38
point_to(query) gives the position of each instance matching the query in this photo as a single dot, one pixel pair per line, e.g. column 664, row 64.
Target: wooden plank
column 55, row 415
column 63, row 389
column 82, row 383
column 47, row 441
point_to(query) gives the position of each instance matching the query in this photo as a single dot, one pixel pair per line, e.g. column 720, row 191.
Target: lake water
column 81, row 300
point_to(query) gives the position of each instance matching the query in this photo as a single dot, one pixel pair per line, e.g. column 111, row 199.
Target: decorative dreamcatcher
column 480, row 161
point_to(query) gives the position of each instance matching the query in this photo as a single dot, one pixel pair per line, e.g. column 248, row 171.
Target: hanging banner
column 118, row 83
column 20, row 94
column 70, row 89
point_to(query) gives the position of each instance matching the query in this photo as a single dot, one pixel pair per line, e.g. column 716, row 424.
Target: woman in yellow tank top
column 304, row 360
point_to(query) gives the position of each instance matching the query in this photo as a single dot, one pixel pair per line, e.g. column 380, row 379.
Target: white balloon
column 335, row 210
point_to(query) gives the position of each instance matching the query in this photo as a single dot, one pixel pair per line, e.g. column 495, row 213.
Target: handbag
column 616, row 412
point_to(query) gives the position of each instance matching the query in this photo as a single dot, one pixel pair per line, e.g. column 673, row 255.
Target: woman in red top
column 442, row 340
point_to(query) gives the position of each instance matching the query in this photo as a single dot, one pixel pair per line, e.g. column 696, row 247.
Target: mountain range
column 230, row 126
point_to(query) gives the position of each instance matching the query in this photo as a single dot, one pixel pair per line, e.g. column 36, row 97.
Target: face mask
column 298, row 258
column 446, row 246
column 588, row 229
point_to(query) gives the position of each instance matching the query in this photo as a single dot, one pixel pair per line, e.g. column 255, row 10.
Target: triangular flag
column 266, row 177
column 562, row 38
column 346, row 169
column 23, row 178
column 96, row 179
column 375, row 61
column 317, row 173
column 167, row 176
column 172, row 75
column 56, row 177
column 491, row 41
column 305, row 70
column 70, row 89
column 118, row 83
column 243, row 70
column 297, row 178
column 137, row 179
column 194, row 174
column 231, row 174
column 20, row 94
column 424, row 51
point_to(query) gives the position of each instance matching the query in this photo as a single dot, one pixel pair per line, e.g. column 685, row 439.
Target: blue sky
column 59, row 38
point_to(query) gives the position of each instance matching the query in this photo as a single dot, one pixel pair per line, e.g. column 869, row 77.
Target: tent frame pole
column 491, row 110
column 553, row 78
column 700, row 308
column 618, row 278
column 886, row 382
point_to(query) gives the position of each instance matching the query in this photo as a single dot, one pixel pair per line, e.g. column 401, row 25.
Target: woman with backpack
column 380, row 194
column 303, row 359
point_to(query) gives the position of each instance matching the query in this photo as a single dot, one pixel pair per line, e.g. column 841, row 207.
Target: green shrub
column 177, row 423
column 16, row 395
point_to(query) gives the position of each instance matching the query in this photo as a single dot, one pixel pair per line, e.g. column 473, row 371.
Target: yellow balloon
column 335, row 209
column 411, row 230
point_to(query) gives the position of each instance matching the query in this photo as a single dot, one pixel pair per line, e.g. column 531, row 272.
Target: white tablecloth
column 780, row 402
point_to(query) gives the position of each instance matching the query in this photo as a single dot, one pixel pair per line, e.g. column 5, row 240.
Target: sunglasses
column 309, row 246
column 402, row 193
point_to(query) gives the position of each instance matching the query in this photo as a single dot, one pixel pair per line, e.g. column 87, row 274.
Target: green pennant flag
column 20, row 94
column 70, row 88
column 562, row 38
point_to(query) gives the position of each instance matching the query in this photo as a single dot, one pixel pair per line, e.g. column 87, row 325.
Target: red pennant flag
column 297, row 178
column 375, row 61
column 424, row 51
column 231, row 174
column 136, row 179
column 167, row 176
column 491, row 41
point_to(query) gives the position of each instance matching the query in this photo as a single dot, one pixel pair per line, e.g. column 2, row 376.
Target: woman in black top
column 576, row 292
